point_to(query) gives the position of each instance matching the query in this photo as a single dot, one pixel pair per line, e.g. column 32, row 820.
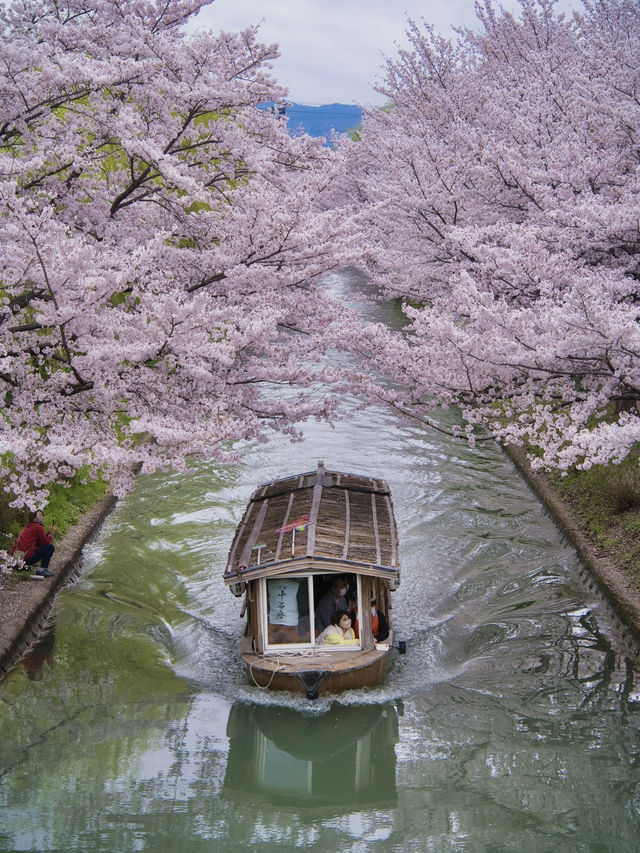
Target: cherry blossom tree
column 161, row 242
column 498, row 197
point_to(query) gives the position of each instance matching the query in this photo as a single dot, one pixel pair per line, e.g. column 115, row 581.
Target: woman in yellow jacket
column 339, row 632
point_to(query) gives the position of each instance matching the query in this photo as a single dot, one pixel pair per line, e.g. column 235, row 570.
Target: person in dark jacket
column 36, row 545
column 333, row 599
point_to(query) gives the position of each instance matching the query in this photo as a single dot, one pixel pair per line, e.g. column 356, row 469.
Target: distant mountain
column 321, row 120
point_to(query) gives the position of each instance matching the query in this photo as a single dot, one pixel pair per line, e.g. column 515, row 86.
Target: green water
column 511, row 724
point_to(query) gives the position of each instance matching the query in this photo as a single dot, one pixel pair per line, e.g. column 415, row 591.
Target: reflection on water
column 345, row 755
column 511, row 724
column 40, row 655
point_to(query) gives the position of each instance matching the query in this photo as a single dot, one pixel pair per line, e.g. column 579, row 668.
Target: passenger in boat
column 339, row 632
column 333, row 599
column 379, row 624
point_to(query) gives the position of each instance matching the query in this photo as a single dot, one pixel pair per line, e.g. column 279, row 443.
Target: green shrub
column 619, row 489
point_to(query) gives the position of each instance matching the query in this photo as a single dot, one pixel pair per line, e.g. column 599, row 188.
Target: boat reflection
column 345, row 756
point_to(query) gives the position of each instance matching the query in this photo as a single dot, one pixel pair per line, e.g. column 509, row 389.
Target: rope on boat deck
column 301, row 653
column 268, row 685
column 285, row 667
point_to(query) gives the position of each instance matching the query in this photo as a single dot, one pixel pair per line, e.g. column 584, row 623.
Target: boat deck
column 327, row 660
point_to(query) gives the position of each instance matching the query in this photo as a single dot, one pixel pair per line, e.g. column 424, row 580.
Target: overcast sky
column 332, row 50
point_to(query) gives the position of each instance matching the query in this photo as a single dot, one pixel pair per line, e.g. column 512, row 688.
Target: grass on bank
column 605, row 501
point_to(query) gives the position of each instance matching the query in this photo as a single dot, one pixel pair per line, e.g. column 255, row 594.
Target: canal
column 511, row 724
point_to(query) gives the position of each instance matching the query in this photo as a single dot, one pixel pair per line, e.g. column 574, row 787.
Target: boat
column 303, row 539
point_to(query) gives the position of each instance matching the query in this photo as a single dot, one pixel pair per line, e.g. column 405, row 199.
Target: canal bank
column 25, row 603
column 599, row 567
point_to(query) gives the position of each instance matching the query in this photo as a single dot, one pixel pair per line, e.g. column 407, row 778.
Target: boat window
column 289, row 603
column 293, row 606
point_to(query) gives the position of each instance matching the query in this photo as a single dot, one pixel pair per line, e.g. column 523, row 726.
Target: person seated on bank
column 339, row 632
column 36, row 545
column 333, row 599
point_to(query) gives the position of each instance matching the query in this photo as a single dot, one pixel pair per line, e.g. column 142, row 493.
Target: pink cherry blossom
column 497, row 195
column 162, row 240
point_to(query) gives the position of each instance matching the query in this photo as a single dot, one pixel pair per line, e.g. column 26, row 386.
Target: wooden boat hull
column 312, row 675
